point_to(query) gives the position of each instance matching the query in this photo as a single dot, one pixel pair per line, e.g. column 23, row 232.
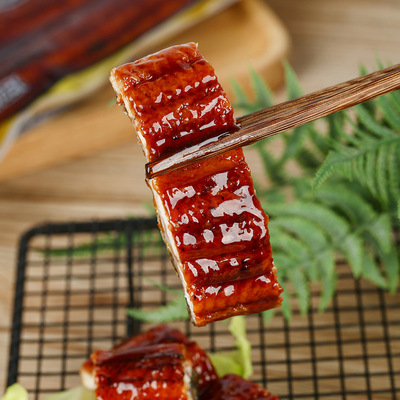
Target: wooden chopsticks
column 284, row 116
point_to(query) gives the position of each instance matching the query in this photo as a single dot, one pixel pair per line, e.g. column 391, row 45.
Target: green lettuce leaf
column 15, row 392
column 237, row 361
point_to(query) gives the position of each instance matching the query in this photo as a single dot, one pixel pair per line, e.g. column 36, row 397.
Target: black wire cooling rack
column 75, row 281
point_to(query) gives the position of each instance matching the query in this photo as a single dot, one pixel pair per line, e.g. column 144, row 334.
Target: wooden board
column 255, row 38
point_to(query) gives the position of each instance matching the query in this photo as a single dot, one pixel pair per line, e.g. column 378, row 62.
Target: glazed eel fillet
column 198, row 371
column 234, row 387
column 163, row 363
column 210, row 218
column 161, row 371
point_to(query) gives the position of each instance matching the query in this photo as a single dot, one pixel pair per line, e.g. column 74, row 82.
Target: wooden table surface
column 330, row 39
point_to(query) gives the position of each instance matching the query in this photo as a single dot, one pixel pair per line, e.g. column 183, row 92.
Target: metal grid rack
column 75, row 281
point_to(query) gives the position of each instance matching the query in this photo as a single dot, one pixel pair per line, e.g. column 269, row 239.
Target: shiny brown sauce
column 233, row 387
column 177, row 99
column 153, row 371
column 212, row 221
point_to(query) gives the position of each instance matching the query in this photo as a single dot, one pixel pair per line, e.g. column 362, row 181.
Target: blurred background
column 68, row 153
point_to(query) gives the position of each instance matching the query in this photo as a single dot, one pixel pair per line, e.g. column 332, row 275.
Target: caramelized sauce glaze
column 233, row 387
column 154, row 371
column 176, row 98
column 162, row 334
column 221, row 237
column 151, row 365
column 210, row 217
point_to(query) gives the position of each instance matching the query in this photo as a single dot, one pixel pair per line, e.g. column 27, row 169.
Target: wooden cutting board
column 246, row 35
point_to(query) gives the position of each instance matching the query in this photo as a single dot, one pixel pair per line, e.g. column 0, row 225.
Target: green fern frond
column 263, row 97
column 278, row 176
column 370, row 123
column 372, row 272
column 175, row 310
column 314, row 238
column 398, row 208
column 287, row 244
column 390, row 110
column 342, row 197
column 293, row 86
column 393, row 166
column 262, row 93
column 308, row 159
column 301, row 287
column 242, row 101
column 391, row 266
column 327, row 291
column 333, row 224
column 352, row 248
column 295, row 141
column 367, row 164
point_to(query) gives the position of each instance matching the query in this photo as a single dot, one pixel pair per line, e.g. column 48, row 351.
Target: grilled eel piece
column 203, row 371
column 234, row 387
column 161, row 371
column 41, row 41
column 210, row 218
column 163, row 361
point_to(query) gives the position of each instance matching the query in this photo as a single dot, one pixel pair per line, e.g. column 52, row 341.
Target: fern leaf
column 242, row 100
column 358, row 168
column 391, row 266
column 285, row 271
column 297, row 136
column 276, row 174
column 342, row 196
column 333, row 162
column 301, row 288
column 360, row 135
column 361, row 149
column 106, row 242
column 262, row 93
column 390, row 112
column 393, row 166
column 286, row 307
column 268, row 315
column 305, row 230
column 381, row 175
column 319, row 141
column 398, row 208
column 308, row 159
column 295, row 141
column 370, row 166
column 343, row 137
column 320, row 255
column 381, row 231
column 293, row 87
column 301, row 187
column 327, row 292
column 162, row 287
column 175, row 310
column 372, row 272
column 336, row 124
column 352, row 164
column 352, row 248
column 394, row 98
column 334, row 225
column 283, row 241
column 370, row 123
